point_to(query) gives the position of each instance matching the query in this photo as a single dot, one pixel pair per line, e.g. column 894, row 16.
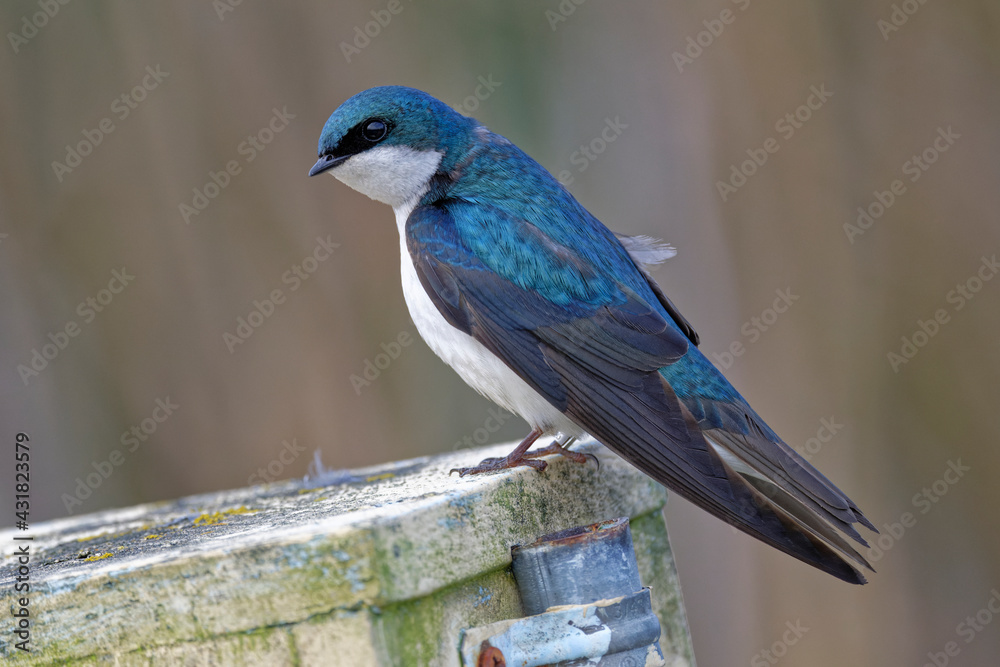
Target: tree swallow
column 542, row 309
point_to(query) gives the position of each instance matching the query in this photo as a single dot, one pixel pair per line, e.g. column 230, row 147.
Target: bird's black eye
column 374, row 129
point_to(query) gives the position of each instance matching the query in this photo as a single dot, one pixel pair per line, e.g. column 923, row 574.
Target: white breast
column 481, row 369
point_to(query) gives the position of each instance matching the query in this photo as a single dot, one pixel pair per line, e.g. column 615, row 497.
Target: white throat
column 393, row 175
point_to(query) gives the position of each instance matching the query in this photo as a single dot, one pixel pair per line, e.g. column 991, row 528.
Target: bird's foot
column 522, row 457
column 516, row 458
column 563, row 450
column 501, row 463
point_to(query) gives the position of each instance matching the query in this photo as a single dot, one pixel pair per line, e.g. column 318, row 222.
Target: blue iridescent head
column 381, row 140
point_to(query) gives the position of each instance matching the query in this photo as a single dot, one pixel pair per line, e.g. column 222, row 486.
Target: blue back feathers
column 517, row 219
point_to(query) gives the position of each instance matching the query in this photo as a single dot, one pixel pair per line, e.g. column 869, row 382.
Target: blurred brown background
column 819, row 373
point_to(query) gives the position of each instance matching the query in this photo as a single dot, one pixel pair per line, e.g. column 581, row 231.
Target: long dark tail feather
column 761, row 517
column 737, row 429
column 775, row 526
column 641, row 426
column 752, row 512
column 805, row 517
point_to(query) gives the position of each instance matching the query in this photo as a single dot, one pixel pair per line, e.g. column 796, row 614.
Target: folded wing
column 595, row 347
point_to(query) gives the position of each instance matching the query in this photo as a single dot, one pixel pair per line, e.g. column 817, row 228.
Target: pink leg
column 562, row 449
column 514, row 459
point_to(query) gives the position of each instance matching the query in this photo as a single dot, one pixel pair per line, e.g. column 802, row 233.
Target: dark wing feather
column 598, row 363
column 671, row 309
column 738, row 430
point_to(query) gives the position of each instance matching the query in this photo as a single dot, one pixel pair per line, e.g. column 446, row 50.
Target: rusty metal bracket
column 581, row 588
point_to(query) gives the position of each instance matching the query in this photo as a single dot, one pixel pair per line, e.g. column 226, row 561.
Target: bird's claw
column 593, row 457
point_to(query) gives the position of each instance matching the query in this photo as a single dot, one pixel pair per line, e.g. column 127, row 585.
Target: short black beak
column 326, row 162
